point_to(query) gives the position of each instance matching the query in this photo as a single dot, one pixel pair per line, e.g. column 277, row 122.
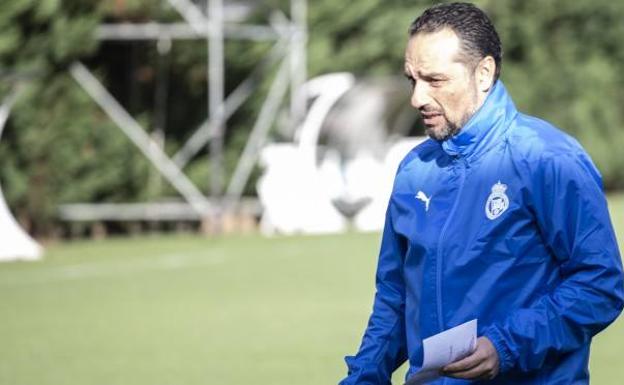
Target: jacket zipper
column 462, row 162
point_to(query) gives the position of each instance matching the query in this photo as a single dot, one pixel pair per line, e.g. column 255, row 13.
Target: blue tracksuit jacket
column 505, row 222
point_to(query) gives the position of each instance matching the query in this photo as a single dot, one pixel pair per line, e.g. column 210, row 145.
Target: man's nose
column 420, row 95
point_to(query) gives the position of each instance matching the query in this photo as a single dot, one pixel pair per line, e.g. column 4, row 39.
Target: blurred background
column 201, row 183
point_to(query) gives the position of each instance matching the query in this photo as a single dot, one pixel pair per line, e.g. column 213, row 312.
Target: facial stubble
column 451, row 129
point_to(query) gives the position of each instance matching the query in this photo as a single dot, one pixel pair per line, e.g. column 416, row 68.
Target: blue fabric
column 542, row 277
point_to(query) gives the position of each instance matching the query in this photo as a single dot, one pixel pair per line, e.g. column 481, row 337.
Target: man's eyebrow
column 433, row 75
column 425, row 75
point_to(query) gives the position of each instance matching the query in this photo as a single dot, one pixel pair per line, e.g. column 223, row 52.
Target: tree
column 561, row 62
column 57, row 147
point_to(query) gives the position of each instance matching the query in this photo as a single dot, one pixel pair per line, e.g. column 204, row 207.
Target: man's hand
column 483, row 364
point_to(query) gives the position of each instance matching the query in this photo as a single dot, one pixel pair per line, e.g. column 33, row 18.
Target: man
column 498, row 216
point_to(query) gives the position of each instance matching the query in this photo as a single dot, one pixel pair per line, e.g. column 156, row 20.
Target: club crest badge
column 498, row 201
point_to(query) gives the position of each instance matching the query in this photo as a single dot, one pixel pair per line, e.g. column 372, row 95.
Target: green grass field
column 187, row 310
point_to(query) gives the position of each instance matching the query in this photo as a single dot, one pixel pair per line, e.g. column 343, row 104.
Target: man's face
column 444, row 88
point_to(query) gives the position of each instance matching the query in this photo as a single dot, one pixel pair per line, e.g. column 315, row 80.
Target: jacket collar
column 485, row 127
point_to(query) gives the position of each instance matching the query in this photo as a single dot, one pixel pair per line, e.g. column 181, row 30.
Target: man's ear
column 484, row 73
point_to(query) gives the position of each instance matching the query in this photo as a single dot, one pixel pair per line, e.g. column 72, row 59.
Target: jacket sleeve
column 383, row 347
column 571, row 212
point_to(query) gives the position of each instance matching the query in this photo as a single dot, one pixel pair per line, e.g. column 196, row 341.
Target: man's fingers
column 471, row 373
column 483, row 371
column 466, row 363
column 481, row 364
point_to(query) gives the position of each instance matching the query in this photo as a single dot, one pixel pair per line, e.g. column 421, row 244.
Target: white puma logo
column 421, row 195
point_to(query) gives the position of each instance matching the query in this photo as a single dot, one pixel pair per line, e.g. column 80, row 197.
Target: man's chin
column 438, row 133
column 441, row 132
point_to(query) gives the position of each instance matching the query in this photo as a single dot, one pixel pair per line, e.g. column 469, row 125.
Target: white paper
column 444, row 348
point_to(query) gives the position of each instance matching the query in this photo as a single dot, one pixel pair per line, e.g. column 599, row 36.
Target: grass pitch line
column 88, row 270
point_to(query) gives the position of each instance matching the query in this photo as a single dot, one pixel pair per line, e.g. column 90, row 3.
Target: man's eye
column 411, row 80
column 436, row 82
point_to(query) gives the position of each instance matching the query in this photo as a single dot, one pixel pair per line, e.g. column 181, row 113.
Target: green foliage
column 562, row 62
column 57, row 146
column 562, row 59
column 69, row 157
column 367, row 38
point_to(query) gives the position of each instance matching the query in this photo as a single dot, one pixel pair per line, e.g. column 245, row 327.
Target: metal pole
column 140, row 138
column 212, row 27
column 233, row 101
column 161, row 92
column 298, row 60
column 183, row 31
column 216, row 76
column 190, row 12
column 258, row 134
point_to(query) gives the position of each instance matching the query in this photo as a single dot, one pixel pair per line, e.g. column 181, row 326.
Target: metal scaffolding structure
column 209, row 24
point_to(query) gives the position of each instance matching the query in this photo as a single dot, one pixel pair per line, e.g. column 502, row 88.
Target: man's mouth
column 430, row 118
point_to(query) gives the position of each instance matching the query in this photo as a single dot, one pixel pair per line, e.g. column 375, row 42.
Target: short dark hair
column 473, row 27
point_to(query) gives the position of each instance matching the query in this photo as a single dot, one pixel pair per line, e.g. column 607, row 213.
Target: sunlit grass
column 188, row 310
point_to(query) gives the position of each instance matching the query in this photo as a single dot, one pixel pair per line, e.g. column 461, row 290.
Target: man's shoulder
column 535, row 139
column 540, row 147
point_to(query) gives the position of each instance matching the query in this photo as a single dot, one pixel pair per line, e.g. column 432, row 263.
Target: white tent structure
column 294, row 192
column 304, row 193
column 15, row 243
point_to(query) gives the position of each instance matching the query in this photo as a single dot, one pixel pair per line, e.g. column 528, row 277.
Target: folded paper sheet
column 443, row 348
